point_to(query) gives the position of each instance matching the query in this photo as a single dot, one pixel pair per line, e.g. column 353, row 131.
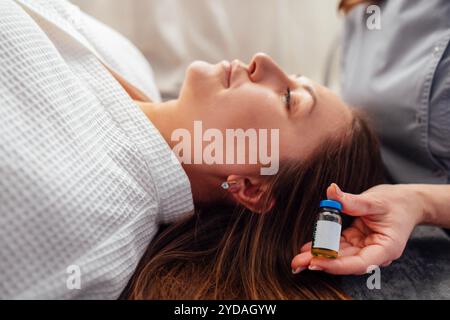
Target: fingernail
column 338, row 190
column 315, row 268
column 298, row 270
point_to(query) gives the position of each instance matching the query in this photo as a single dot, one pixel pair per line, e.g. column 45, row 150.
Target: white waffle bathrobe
column 85, row 178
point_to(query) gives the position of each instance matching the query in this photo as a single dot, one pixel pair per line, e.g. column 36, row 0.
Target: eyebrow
column 312, row 93
column 309, row 89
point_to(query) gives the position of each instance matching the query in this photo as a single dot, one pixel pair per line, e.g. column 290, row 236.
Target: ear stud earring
column 227, row 185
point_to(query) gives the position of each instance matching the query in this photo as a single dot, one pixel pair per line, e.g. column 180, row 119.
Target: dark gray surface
column 423, row 272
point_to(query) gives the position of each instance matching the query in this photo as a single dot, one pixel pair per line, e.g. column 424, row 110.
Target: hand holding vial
column 385, row 217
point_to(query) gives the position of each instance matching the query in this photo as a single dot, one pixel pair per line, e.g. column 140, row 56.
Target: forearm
column 435, row 200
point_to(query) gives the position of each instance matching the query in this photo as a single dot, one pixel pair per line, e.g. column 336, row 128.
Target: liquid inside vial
column 327, row 231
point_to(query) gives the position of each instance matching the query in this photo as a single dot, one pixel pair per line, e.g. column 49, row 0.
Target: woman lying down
column 93, row 204
column 240, row 242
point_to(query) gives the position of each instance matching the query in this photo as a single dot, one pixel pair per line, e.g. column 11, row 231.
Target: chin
column 202, row 78
column 200, row 68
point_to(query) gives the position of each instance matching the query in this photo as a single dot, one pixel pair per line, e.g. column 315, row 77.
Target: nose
column 264, row 69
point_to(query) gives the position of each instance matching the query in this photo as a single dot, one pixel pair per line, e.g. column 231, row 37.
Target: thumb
column 356, row 205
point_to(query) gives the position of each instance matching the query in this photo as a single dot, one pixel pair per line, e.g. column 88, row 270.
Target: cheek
column 291, row 145
column 246, row 107
column 245, row 110
column 257, row 106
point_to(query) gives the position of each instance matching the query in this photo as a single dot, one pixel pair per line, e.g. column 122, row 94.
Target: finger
column 374, row 255
column 356, row 205
column 306, row 247
column 301, row 262
column 387, row 264
column 345, row 244
column 349, row 251
column 304, row 258
column 353, row 236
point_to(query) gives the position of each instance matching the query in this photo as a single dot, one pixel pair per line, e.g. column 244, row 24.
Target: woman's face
column 261, row 96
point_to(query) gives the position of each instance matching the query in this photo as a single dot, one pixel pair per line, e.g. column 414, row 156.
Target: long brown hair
column 347, row 5
column 231, row 253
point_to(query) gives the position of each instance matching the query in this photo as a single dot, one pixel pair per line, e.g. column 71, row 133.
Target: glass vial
column 327, row 232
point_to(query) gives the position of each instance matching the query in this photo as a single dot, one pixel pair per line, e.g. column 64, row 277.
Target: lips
column 228, row 71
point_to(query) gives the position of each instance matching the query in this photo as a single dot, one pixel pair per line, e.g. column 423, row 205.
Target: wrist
column 424, row 210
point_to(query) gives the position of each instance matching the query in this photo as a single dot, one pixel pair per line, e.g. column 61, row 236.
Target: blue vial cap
column 331, row 204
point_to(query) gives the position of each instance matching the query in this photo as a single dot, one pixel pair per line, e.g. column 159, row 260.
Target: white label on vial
column 327, row 235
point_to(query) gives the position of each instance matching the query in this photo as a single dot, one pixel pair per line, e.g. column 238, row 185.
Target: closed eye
column 288, row 98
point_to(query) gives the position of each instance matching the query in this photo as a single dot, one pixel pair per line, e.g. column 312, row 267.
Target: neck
column 167, row 118
column 163, row 116
column 206, row 187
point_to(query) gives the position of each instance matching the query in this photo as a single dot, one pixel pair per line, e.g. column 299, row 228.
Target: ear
column 251, row 193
